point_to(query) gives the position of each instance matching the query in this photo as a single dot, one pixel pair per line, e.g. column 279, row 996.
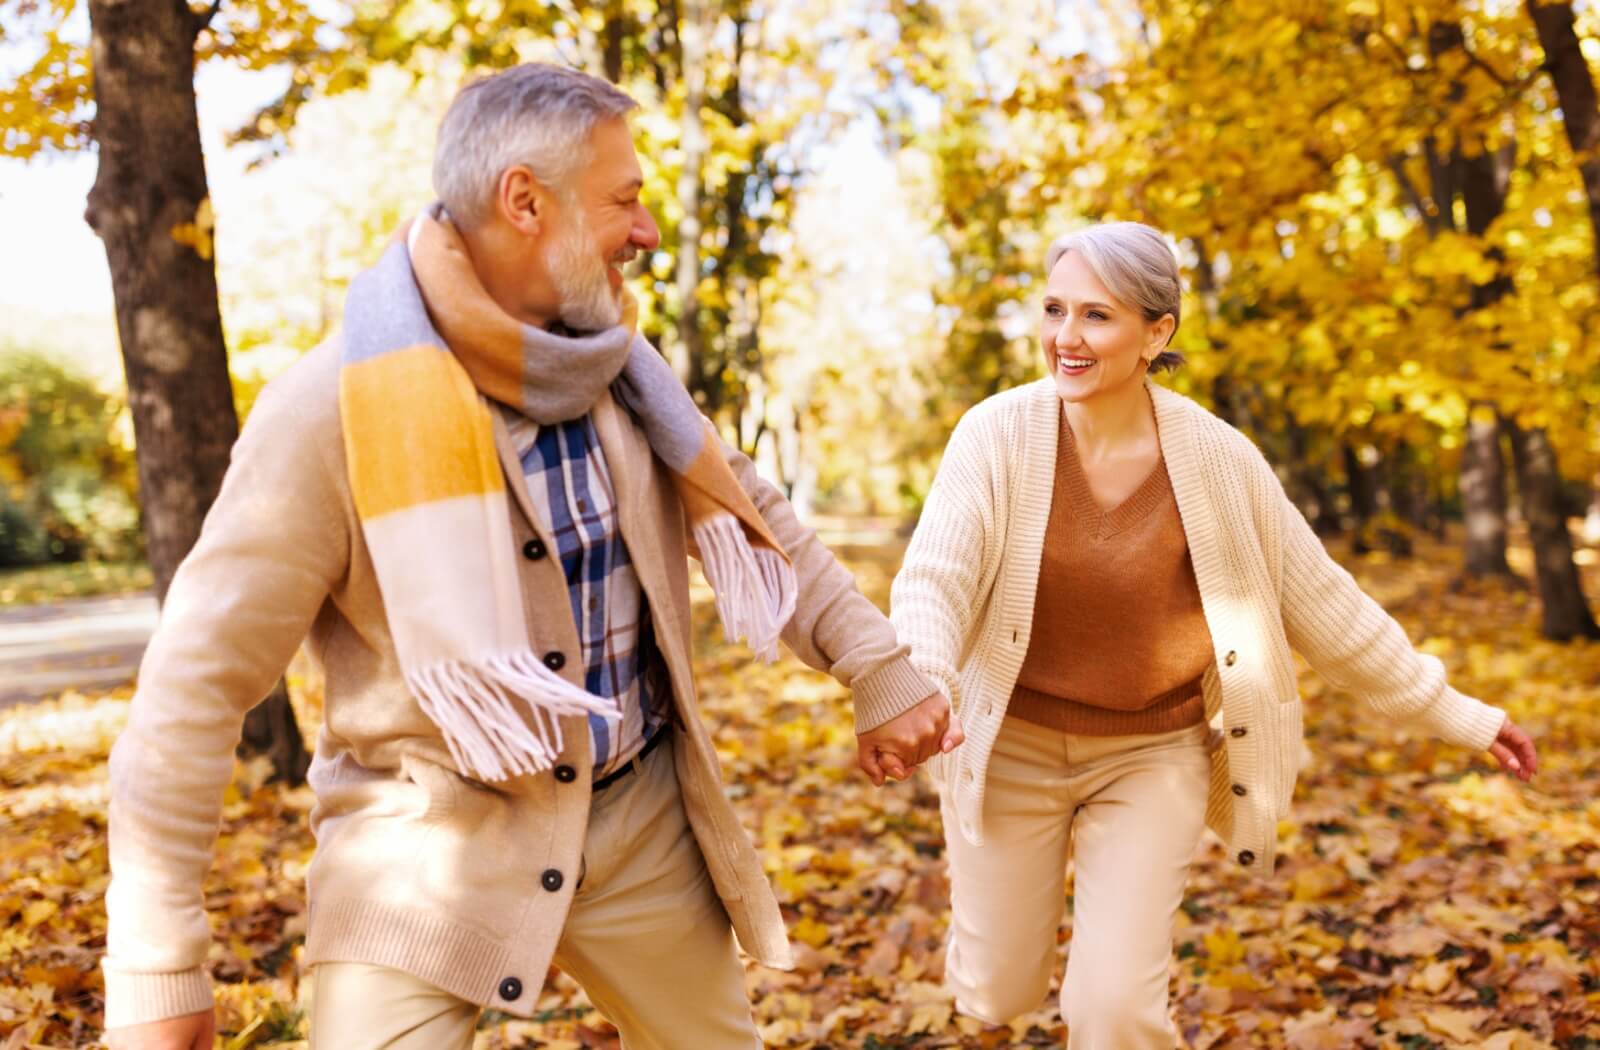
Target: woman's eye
column 1096, row 315
column 1052, row 311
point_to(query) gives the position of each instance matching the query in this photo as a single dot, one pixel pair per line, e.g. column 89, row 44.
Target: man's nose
column 646, row 235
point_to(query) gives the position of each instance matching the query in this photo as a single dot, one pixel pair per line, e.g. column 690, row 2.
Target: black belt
column 636, row 762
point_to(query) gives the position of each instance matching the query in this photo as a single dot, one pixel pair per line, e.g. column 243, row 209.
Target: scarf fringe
column 754, row 586
column 475, row 706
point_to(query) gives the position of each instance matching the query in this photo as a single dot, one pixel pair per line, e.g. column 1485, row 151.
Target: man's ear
column 522, row 201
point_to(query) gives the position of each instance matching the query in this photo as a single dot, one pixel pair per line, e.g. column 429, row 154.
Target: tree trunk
column 1407, row 484
column 692, row 35
column 1565, row 612
column 1480, row 181
column 1309, row 480
column 1483, row 495
column 151, row 180
column 1563, row 59
column 270, row 729
column 1362, row 482
column 615, row 32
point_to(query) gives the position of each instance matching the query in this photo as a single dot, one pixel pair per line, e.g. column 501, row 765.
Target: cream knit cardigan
column 964, row 599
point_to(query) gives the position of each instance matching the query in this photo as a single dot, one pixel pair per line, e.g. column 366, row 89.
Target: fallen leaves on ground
column 54, row 583
column 1423, row 900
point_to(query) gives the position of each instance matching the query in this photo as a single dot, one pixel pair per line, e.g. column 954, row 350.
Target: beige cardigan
column 417, row 867
column 964, row 602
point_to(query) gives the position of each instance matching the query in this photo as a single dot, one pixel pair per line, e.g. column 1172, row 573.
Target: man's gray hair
column 1136, row 264
column 535, row 114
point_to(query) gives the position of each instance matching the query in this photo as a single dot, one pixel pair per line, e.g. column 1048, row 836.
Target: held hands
column 190, row 1032
column 1513, row 749
column 903, row 743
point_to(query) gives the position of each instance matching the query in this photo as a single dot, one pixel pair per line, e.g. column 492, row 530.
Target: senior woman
column 1107, row 579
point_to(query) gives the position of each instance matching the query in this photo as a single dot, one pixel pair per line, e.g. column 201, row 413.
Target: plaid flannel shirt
column 570, row 488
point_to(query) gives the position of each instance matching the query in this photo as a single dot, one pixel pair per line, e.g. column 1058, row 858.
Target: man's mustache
column 626, row 259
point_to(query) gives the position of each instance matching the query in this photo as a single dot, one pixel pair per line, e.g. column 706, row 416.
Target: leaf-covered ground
column 1422, row 900
column 87, row 579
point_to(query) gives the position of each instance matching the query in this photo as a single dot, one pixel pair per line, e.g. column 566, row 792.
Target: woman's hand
column 900, row 745
column 1513, row 749
column 195, row 1031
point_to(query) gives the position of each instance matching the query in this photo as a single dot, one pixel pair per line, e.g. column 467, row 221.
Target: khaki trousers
column 1132, row 809
column 647, row 938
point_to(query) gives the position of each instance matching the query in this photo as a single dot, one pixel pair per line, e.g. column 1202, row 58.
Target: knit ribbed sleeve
column 934, row 601
column 1352, row 642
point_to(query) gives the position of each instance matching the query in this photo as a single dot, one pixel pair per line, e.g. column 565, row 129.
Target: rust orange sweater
column 1119, row 639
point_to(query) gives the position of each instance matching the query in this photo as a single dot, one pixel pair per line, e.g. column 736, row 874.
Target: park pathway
column 84, row 643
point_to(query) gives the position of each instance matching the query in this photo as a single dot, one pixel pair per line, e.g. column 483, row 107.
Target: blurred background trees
column 1387, row 216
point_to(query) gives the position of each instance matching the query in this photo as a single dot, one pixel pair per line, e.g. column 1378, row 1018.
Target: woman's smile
column 1073, row 364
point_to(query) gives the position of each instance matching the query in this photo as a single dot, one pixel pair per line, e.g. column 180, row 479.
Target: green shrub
column 68, row 482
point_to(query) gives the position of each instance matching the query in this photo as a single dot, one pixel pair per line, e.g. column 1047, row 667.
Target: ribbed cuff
column 1459, row 719
column 891, row 690
column 139, row 998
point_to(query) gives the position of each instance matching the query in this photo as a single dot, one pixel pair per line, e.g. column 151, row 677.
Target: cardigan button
column 1231, row 659
column 1246, row 857
column 1238, row 731
column 1238, row 789
column 534, row 549
column 510, row 988
column 566, row 774
column 551, row 880
column 555, row 660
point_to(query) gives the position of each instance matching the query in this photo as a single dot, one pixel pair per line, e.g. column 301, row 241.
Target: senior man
column 479, row 501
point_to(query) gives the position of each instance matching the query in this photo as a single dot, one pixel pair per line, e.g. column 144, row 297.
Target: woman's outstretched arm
column 1351, row 641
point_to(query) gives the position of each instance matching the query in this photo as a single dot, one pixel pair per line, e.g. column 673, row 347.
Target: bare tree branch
column 202, row 19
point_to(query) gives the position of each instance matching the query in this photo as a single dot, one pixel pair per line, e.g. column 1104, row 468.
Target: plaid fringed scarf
column 424, row 347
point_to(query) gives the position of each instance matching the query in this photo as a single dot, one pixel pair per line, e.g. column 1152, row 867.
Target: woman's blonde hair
column 1136, row 265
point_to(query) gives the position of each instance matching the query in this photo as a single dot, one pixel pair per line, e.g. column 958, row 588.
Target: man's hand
column 1513, row 749
column 909, row 739
column 189, row 1032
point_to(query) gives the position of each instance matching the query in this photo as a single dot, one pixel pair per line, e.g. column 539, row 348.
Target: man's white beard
column 588, row 302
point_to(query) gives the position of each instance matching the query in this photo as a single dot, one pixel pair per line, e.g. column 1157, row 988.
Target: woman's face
column 1093, row 342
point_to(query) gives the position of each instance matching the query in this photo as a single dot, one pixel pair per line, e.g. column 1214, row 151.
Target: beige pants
column 647, row 938
column 1132, row 808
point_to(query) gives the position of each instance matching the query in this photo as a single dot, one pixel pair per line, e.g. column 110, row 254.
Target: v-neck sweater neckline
column 1151, row 493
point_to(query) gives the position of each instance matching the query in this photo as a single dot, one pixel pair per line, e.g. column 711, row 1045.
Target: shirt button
column 1231, row 659
column 510, row 988
column 555, row 661
column 551, row 880
column 583, row 505
column 566, row 774
column 533, row 550
column 1238, row 731
column 1246, row 857
column 1238, row 789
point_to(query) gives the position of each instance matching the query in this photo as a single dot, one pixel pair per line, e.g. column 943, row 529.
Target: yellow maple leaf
column 198, row 233
column 38, row 912
column 811, row 932
column 1461, row 1025
column 1224, row 948
column 1316, row 882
